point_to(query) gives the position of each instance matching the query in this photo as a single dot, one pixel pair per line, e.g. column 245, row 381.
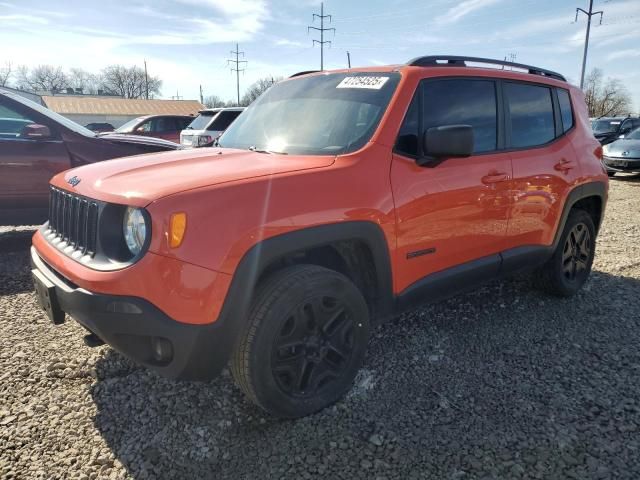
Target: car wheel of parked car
column 569, row 267
column 304, row 342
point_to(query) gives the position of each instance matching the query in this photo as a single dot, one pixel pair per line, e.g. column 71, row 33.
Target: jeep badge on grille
column 73, row 181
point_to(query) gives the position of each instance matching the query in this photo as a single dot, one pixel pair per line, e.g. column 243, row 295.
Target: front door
column 456, row 211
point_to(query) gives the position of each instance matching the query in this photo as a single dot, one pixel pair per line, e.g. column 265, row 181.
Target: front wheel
column 569, row 267
column 304, row 343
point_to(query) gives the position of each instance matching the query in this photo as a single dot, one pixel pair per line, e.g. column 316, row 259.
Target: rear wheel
column 569, row 267
column 304, row 343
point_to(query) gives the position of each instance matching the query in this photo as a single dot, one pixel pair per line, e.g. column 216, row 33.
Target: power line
column 237, row 68
column 589, row 14
column 322, row 41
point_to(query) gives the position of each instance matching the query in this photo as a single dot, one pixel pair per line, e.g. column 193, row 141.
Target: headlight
column 135, row 229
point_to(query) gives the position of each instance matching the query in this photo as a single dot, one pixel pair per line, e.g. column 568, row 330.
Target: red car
column 36, row 144
column 167, row 127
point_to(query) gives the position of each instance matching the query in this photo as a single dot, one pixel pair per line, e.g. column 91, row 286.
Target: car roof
column 222, row 109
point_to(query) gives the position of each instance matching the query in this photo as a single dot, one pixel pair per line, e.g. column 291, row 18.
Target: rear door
column 27, row 164
column 539, row 125
column 456, row 211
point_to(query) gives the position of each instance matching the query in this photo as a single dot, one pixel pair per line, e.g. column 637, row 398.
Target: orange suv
column 334, row 202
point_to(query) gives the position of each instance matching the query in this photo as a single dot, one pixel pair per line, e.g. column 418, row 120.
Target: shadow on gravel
column 504, row 382
column 15, row 240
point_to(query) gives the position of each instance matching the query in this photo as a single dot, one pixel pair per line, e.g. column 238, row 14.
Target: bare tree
column 605, row 97
column 213, row 101
column 258, row 88
column 43, row 78
column 129, row 82
column 84, row 81
column 5, row 74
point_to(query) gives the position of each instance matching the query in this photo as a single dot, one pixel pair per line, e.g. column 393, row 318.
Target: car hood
column 140, row 180
column 623, row 148
column 138, row 139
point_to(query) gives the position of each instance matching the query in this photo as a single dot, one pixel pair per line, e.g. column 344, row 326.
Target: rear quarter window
column 566, row 113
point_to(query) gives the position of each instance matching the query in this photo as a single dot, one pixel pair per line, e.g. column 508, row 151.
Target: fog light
column 162, row 349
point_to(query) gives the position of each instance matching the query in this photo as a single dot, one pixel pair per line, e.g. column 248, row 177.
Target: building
column 84, row 109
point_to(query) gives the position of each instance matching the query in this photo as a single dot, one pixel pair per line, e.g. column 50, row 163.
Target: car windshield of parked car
column 56, row 117
column 605, row 126
column 201, row 121
column 635, row 135
column 326, row 114
column 129, row 126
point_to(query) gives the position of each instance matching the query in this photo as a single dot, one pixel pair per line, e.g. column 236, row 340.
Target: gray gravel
column 504, row 382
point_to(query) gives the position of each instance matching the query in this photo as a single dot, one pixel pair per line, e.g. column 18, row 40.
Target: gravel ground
column 504, row 382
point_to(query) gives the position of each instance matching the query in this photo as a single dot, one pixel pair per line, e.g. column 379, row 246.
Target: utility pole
column 237, row 68
column 201, row 96
column 146, row 80
column 589, row 14
column 322, row 41
column 349, row 59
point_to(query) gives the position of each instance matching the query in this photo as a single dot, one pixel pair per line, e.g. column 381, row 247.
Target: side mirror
column 439, row 143
column 36, row 131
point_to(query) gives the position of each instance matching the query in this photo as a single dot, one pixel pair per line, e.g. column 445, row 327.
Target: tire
column 304, row 342
column 611, row 174
column 569, row 267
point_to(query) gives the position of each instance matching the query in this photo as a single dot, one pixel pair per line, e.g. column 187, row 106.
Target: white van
column 208, row 126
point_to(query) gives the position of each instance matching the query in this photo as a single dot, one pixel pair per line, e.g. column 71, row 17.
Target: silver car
column 623, row 155
column 208, row 126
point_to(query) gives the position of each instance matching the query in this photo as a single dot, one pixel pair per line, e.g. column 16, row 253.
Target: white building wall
column 115, row 120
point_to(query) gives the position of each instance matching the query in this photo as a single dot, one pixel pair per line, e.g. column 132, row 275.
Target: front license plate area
column 47, row 297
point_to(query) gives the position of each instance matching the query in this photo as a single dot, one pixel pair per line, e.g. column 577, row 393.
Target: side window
column 407, row 142
column 565, row 109
column 12, row 123
column 146, row 127
column 531, row 111
column 463, row 102
column 223, row 120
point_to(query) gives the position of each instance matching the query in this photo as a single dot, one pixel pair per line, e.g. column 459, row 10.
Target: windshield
column 201, row 121
column 56, row 117
column 635, row 135
column 327, row 114
column 129, row 126
column 605, row 126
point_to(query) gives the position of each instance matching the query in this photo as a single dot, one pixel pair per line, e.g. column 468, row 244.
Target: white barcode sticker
column 373, row 83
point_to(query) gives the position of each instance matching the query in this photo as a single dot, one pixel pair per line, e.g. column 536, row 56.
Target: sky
column 187, row 42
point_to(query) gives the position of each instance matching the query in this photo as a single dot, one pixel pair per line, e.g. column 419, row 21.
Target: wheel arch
column 591, row 197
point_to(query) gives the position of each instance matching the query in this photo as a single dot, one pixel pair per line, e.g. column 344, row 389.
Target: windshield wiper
column 271, row 152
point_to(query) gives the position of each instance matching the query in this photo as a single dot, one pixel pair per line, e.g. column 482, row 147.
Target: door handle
column 564, row 165
column 494, row 177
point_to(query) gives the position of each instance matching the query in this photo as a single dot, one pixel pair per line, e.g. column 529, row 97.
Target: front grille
column 73, row 220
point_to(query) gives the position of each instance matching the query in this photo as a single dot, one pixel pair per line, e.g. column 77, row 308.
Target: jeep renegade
column 335, row 201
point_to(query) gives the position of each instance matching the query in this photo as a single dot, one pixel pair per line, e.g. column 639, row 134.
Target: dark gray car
column 623, row 155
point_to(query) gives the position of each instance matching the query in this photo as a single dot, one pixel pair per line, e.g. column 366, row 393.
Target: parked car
column 336, row 201
column 36, row 144
column 608, row 129
column 100, row 127
column 208, row 126
column 167, row 127
column 623, row 155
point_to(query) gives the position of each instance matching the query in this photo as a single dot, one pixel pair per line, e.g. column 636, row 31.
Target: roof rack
column 453, row 60
column 304, row 73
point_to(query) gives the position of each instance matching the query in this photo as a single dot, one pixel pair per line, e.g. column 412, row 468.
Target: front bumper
column 134, row 327
column 628, row 165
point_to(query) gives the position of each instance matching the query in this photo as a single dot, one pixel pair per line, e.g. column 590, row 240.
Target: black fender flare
column 585, row 190
column 235, row 308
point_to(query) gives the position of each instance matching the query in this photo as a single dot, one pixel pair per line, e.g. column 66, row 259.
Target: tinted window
column 223, row 120
column 407, row 142
column 12, row 122
column 201, row 121
column 463, row 102
column 531, row 112
column 565, row 109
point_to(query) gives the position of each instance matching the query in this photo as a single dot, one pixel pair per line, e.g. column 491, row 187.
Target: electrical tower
column 322, row 41
column 589, row 14
column 237, row 62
